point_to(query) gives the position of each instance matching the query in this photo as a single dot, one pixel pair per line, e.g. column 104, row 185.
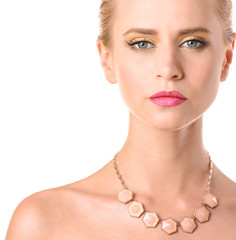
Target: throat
column 163, row 176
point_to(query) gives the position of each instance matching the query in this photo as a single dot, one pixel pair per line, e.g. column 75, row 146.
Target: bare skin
column 88, row 209
column 163, row 159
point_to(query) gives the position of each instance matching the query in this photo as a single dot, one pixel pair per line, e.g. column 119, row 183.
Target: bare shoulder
column 226, row 185
column 59, row 211
column 38, row 215
column 28, row 218
column 226, row 190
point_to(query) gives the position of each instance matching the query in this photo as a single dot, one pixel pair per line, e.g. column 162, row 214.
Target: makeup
column 168, row 98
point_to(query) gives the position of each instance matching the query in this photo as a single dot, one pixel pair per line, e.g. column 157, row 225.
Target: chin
column 168, row 123
column 168, row 126
column 175, row 124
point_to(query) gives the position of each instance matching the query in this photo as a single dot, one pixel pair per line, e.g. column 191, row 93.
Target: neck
column 173, row 162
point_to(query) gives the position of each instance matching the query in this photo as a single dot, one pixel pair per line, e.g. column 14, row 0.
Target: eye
column 193, row 43
column 141, row 45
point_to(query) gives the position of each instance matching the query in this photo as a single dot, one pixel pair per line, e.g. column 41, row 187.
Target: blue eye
column 193, row 44
column 141, row 45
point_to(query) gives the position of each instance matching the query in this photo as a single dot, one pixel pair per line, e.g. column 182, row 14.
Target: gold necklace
column 168, row 225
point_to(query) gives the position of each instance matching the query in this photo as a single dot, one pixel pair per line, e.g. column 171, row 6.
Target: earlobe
column 106, row 62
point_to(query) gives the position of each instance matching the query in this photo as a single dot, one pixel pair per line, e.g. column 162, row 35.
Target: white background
column 60, row 120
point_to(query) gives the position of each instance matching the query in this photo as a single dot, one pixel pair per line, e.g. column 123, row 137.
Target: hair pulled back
column 223, row 9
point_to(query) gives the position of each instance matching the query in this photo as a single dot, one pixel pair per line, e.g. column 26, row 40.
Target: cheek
column 204, row 78
column 133, row 75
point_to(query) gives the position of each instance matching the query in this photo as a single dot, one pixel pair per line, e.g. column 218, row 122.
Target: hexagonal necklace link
column 169, row 225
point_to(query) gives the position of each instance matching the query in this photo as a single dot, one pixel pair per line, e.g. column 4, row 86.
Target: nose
column 168, row 65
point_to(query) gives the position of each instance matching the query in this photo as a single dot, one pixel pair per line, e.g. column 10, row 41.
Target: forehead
column 165, row 14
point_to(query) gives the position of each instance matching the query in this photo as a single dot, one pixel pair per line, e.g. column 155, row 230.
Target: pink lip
column 168, row 98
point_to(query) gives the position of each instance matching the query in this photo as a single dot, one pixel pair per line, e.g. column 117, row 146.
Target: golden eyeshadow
column 137, row 36
column 202, row 40
column 136, row 40
column 201, row 37
column 134, row 37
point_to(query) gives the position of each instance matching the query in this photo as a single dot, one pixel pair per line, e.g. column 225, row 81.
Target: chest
column 111, row 224
column 91, row 232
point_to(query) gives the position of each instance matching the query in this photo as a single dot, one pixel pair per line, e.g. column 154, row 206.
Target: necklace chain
column 209, row 200
column 124, row 185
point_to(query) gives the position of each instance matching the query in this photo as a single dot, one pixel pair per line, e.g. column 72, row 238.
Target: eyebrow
column 193, row 30
column 150, row 31
column 147, row 31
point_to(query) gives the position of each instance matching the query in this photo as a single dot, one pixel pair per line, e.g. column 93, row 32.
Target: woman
column 169, row 58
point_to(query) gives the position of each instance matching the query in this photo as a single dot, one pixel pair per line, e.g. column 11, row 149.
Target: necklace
column 168, row 225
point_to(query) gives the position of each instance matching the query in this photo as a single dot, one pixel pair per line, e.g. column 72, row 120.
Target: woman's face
column 167, row 45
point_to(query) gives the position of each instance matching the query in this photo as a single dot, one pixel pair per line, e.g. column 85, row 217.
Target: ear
column 106, row 62
column 228, row 60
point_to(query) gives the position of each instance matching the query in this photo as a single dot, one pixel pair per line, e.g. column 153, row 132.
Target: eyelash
column 202, row 42
column 133, row 43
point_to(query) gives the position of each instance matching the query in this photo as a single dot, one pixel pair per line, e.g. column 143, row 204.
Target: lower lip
column 167, row 101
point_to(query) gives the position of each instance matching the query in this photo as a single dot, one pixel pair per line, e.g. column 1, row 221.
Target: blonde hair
column 106, row 15
column 107, row 12
column 225, row 12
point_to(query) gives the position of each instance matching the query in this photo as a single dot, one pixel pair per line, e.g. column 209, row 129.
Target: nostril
column 169, row 77
column 169, row 71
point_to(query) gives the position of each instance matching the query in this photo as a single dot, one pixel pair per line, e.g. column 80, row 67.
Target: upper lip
column 168, row 94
